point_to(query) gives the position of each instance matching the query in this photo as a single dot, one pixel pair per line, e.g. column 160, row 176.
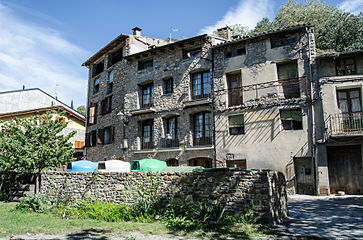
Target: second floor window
column 145, row 64
column 349, row 100
column 110, row 82
column 106, row 135
column 288, row 78
column 147, row 95
column 236, row 124
column 203, row 128
column 168, row 85
column 234, row 89
column 106, row 105
column 291, row 119
column 200, row 85
column 345, row 66
column 92, row 114
column 97, row 68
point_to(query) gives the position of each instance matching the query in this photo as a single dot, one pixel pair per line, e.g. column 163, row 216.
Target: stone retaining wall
column 239, row 191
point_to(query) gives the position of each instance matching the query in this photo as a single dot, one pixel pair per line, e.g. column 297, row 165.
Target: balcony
column 202, row 141
column 147, row 145
column 169, row 143
column 345, row 124
column 201, row 96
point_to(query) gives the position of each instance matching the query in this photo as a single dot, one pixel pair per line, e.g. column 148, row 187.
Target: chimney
column 136, row 31
column 225, row 32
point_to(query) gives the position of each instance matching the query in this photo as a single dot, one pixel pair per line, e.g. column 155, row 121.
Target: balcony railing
column 203, row 141
column 346, row 124
column 169, row 143
column 147, row 145
column 201, row 96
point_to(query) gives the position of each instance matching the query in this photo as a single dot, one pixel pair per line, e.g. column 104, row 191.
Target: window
column 147, row 136
column 203, row 162
column 172, row 162
column 115, row 57
column 234, row 89
column 283, row 40
column 192, row 53
column 171, row 133
column 288, row 78
column 106, row 105
column 200, row 85
column 236, row 124
column 110, row 82
column 92, row 114
column 106, row 135
column 203, row 128
column 96, row 85
column 291, row 119
column 145, row 64
column 147, row 91
column 168, row 85
column 91, row 139
column 236, row 52
column 345, row 66
column 97, row 68
column 349, row 100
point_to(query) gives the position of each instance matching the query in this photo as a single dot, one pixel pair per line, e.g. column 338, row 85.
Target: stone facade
column 239, row 191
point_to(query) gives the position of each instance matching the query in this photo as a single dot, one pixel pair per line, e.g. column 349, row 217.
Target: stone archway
column 201, row 161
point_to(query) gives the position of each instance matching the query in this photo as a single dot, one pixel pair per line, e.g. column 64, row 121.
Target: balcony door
column 350, row 105
column 234, row 89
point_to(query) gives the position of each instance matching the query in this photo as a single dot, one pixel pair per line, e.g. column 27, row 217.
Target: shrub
column 36, row 203
column 181, row 223
column 208, row 211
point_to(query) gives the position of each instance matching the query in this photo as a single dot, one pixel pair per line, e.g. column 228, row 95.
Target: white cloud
column 246, row 13
column 40, row 57
column 353, row 6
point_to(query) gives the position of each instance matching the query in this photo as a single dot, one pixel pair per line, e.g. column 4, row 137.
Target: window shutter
column 236, row 121
column 293, row 115
column 112, row 134
column 95, row 111
column 101, row 136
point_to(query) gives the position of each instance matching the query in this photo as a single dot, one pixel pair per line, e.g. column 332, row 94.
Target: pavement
column 332, row 217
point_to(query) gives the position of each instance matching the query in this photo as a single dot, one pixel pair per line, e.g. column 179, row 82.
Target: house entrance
column 345, row 169
column 304, row 176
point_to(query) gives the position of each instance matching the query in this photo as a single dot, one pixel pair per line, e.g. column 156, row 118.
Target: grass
column 15, row 222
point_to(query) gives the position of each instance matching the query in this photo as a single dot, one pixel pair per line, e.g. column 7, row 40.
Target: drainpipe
column 213, row 114
column 312, row 117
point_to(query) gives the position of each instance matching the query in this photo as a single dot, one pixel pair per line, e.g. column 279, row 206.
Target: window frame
column 203, row 89
column 98, row 68
column 96, row 87
column 204, row 139
column 106, row 105
column 110, row 82
column 93, row 117
column 168, row 84
column 349, row 99
column 344, row 59
column 294, row 124
column 240, row 130
column 115, row 57
column 145, row 64
column 144, row 87
column 149, row 144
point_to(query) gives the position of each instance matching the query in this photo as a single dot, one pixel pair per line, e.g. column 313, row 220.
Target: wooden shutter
column 101, row 136
column 88, row 140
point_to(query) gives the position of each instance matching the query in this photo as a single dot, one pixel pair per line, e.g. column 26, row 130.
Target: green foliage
column 35, row 203
column 82, row 110
column 181, row 223
column 28, row 145
column 248, row 217
column 208, row 211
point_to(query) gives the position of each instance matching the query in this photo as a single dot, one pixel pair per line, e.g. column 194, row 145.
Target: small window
column 108, row 135
column 168, row 86
column 236, row 52
column 101, row 166
column 283, row 40
column 172, row 162
column 291, row 119
column 200, row 85
column 145, row 64
column 236, row 124
column 97, row 68
column 110, row 82
column 91, row 139
column 147, row 92
column 96, row 85
column 346, row 66
column 92, row 114
column 192, row 53
column 106, row 105
column 115, row 57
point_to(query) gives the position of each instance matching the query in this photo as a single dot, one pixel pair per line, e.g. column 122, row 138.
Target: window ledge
column 142, row 111
column 145, row 151
column 196, row 148
column 197, row 102
column 170, row 149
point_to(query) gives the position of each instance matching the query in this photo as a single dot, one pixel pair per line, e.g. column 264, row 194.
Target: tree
column 29, row 145
column 82, row 110
column 72, row 104
column 334, row 28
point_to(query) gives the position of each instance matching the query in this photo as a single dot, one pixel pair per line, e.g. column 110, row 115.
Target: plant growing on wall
column 29, row 145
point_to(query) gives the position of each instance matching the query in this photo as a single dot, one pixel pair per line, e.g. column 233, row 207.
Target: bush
column 36, row 203
column 181, row 223
column 208, row 211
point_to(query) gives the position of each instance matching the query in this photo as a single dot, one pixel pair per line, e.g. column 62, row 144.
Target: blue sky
column 43, row 43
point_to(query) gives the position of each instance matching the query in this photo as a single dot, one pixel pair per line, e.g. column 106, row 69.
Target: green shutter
column 287, row 71
column 110, row 77
column 236, row 121
column 294, row 115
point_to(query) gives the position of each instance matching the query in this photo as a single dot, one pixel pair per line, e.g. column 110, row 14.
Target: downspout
column 213, row 114
column 312, row 118
column 87, row 114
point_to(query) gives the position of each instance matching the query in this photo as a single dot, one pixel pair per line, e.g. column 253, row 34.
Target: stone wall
column 239, row 191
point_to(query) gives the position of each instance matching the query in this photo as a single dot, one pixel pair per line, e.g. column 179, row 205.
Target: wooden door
column 345, row 169
column 304, row 176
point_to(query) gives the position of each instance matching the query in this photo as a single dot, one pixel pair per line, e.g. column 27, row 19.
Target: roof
column 105, row 49
column 39, row 110
column 60, row 103
column 153, row 50
column 263, row 34
column 339, row 54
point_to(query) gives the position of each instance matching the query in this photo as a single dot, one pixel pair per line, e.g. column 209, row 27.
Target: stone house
column 338, row 117
column 28, row 102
